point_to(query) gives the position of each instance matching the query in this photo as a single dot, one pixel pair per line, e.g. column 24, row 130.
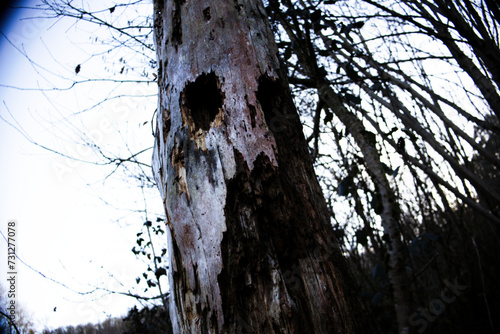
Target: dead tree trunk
column 251, row 245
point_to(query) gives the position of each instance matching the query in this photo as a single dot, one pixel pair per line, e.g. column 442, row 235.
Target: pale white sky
column 66, row 231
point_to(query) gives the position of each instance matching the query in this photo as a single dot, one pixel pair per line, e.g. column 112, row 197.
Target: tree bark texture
column 250, row 241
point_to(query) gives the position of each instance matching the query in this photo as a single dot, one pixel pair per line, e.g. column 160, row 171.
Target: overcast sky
column 65, row 229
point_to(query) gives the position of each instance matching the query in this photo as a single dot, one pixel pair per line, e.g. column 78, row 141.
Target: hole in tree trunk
column 202, row 100
column 206, row 14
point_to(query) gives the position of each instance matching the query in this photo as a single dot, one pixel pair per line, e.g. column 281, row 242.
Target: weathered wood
column 250, row 241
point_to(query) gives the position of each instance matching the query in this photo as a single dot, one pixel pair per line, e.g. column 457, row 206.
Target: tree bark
column 250, row 241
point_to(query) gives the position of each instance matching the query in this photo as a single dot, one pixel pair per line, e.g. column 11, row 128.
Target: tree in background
column 147, row 321
column 400, row 89
column 108, row 326
column 22, row 324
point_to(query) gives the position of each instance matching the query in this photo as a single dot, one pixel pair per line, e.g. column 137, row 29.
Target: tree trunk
column 250, row 241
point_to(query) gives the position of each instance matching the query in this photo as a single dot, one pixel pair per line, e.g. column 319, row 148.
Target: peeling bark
column 250, row 241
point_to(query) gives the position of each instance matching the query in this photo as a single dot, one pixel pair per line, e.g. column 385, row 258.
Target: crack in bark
column 166, row 125
column 177, row 161
column 176, row 37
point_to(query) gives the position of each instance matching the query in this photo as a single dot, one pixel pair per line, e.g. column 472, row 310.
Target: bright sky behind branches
column 76, row 225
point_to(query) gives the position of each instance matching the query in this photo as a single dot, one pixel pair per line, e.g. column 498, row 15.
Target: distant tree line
column 148, row 320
